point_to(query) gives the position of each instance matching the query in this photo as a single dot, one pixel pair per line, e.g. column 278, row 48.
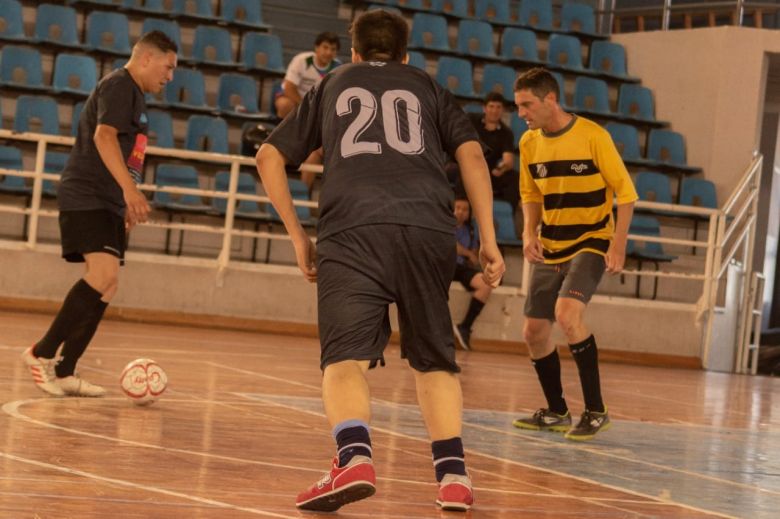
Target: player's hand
column 492, row 264
column 137, row 206
column 532, row 249
column 306, row 256
column 128, row 224
column 615, row 258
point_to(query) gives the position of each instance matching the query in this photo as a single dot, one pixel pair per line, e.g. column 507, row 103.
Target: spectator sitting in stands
column 467, row 270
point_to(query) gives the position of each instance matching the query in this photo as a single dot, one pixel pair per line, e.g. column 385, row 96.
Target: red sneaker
column 340, row 486
column 455, row 493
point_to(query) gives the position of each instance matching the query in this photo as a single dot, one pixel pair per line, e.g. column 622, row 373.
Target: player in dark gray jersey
column 98, row 201
column 386, row 235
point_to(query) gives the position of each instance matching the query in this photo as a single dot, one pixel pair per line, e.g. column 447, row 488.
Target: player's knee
column 534, row 332
column 568, row 318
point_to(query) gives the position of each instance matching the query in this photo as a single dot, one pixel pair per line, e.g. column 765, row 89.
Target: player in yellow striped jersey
column 570, row 171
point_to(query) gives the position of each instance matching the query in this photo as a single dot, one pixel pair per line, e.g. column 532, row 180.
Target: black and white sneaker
column 590, row 423
column 545, row 420
column 462, row 336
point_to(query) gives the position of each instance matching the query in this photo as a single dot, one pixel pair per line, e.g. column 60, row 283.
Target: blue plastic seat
column 519, row 44
column 11, row 158
column 608, row 58
column 518, row 126
column 493, row 11
column 536, row 13
column 56, row 24
column 206, row 133
column 561, row 88
column 54, row 162
column 407, row 4
column 262, row 52
column 108, row 32
column 243, row 12
column 186, row 90
column 237, row 93
column 499, row 78
column 503, row 217
column 591, row 94
column 193, row 8
column 636, row 101
column 666, row 146
column 75, row 74
column 170, row 175
column 576, row 17
column 458, row 8
column 168, row 27
column 564, row 51
column 247, row 185
column 642, row 252
column 416, row 59
column 698, row 192
column 212, row 45
column 626, row 139
column 429, row 31
column 149, row 6
column 475, row 38
column 160, row 129
column 455, row 74
column 653, row 187
column 12, row 25
column 36, row 113
column 21, row 67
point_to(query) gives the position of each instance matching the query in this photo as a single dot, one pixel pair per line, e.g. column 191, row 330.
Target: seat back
column 56, row 24
column 591, row 94
column 475, row 38
column 429, row 31
column 698, row 192
column 626, row 139
column 108, row 31
column 246, row 185
column 636, row 101
column 459, row 8
column 608, row 57
column 247, row 12
column 21, row 66
column 499, row 78
column 576, row 17
column 237, row 92
column 666, row 146
column 11, row 20
column 11, row 158
column 206, row 133
column 74, row 73
column 653, row 187
column 160, row 129
column 156, row 6
column 199, row 8
column 494, row 11
column 519, row 43
column 36, row 114
column 262, row 51
column 187, row 88
column 172, row 175
column 212, row 45
column 565, row 51
column 505, row 223
column 455, row 74
column 645, row 226
column 536, row 13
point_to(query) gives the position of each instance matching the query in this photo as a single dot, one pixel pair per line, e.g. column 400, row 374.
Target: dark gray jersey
column 385, row 130
column 86, row 183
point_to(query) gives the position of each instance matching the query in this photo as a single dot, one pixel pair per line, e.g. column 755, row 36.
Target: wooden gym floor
column 241, row 431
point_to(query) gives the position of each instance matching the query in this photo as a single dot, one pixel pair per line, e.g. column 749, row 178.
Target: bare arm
column 616, row 255
column 532, row 246
column 476, row 180
column 503, row 166
column 270, row 166
column 110, row 152
column 291, row 91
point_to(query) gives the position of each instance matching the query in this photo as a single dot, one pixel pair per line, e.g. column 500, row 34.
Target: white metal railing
column 728, row 234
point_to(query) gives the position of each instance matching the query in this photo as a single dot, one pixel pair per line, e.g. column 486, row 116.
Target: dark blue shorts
column 361, row 271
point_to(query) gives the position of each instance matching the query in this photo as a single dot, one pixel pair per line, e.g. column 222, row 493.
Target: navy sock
column 76, row 310
column 448, row 457
column 587, row 358
column 548, row 369
column 352, row 439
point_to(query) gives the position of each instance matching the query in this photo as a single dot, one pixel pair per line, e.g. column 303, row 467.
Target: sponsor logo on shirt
column 541, row 170
column 579, row 168
column 143, row 119
column 135, row 162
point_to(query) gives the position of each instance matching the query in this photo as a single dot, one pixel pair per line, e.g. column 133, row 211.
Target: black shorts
column 97, row 230
column 465, row 274
column 362, row 270
column 577, row 278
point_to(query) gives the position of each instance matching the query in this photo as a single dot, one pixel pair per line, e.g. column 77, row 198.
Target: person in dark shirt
column 98, row 202
column 499, row 143
column 385, row 235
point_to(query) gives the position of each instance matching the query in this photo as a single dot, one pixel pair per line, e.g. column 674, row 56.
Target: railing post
column 35, row 202
column 666, row 16
column 713, row 295
column 230, row 213
column 739, row 13
column 746, row 316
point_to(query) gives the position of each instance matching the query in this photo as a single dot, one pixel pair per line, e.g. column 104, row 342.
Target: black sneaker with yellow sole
column 545, row 420
column 590, row 423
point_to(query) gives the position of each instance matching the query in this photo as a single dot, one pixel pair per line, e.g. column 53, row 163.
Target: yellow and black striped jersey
column 575, row 174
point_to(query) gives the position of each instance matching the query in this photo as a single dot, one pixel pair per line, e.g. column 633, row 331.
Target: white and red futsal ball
column 143, row 381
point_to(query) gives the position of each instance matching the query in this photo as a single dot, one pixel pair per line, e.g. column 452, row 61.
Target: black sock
column 78, row 340
column 81, row 297
column 475, row 307
column 587, row 358
column 448, row 457
column 352, row 440
column 548, row 369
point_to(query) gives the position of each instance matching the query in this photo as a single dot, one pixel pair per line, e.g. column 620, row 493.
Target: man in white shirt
column 306, row 70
